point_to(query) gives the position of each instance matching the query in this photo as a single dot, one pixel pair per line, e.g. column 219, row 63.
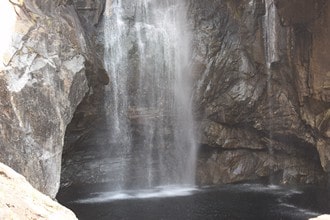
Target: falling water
column 148, row 102
column 272, row 57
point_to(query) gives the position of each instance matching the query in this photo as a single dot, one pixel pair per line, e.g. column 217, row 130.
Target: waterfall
column 148, row 103
column 272, row 31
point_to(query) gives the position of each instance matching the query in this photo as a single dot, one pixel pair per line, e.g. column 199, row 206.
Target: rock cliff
column 262, row 89
column 261, row 93
column 45, row 72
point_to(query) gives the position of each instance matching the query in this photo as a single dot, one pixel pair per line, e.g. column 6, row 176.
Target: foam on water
column 274, row 189
column 158, row 192
column 298, row 211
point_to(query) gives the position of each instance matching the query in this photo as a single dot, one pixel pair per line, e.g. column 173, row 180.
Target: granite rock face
column 42, row 80
column 262, row 89
column 19, row 200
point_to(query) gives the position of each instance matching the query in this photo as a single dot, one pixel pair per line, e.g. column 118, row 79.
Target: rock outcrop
column 321, row 217
column 19, row 200
column 262, row 89
column 43, row 77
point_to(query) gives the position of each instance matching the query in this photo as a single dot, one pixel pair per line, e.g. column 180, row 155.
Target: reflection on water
column 241, row 201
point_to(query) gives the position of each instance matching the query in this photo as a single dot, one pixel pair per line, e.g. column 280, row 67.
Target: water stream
column 148, row 106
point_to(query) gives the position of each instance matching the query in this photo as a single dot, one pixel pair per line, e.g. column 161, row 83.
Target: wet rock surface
column 261, row 91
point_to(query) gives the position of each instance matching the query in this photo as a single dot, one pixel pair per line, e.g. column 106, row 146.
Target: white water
column 151, row 136
column 157, row 192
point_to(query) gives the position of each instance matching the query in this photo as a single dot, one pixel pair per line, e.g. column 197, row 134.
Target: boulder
column 19, row 200
column 321, row 217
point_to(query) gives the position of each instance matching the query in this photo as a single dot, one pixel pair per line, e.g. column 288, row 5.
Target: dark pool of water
column 242, row 201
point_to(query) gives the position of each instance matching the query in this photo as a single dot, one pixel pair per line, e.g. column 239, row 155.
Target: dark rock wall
column 261, row 91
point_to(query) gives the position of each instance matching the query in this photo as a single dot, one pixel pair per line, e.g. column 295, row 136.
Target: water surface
column 242, row 201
